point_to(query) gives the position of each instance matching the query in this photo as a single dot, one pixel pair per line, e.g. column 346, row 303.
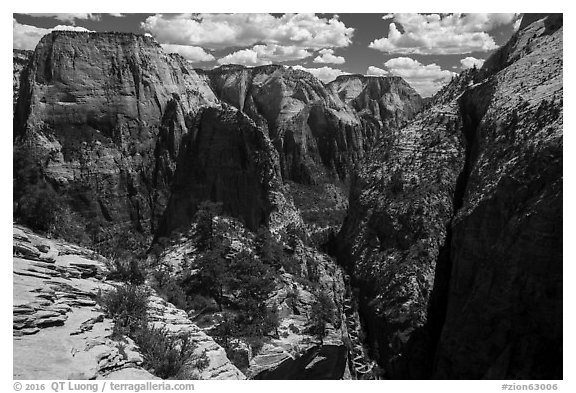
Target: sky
column 425, row 49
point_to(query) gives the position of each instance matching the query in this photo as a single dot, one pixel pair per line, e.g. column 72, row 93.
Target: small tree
column 214, row 274
column 323, row 313
column 225, row 330
column 204, row 218
column 127, row 305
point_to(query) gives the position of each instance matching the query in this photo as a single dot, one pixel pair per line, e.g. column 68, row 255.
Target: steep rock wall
column 504, row 310
column 103, row 114
column 491, row 229
column 225, row 158
column 401, row 203
column 317, row 134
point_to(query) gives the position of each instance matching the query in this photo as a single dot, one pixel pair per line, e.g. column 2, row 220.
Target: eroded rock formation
column 58, row 322
column 317, row 134
column 105, row 113
column 454, row 231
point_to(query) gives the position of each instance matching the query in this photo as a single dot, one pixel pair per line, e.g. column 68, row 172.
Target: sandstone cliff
column 299, row 273
column 225, row 157
column 504, row 309
column 317, row 135
column 319, row 131
column 20, row 59
column 381, row 102
column 454, row 231
column 401, row 202
column 104, row 114
column 59, row 323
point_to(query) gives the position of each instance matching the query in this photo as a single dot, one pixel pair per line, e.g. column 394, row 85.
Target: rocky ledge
column 58, row 322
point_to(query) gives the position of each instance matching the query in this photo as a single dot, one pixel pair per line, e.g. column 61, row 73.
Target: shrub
column 225, row 330
column 126, row 270
column 323, row 312
column 292, row 299
column 127, row 305
column 213, row 275
column 164, row 354
column 204, row 218
column 256, row 344
column 39, row 208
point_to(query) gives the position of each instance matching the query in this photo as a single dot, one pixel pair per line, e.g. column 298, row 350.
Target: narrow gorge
column 280, row 227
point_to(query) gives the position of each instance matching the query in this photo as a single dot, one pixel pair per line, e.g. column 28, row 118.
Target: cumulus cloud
column 247, row 57
column 325, row 74
column 425, row 79
column 388, row 16
column 441, row 34
column 327, row 56
column 265, row 54
column 218, row 31
column 375, row 71
column 469, row 62
column 27, row 37
column 69, row 17
column 194, row 54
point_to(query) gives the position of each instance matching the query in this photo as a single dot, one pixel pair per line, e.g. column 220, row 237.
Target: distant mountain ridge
column 106, row 114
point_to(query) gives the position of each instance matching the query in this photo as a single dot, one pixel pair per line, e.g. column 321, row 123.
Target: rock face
column 165, row 316
column 381, row 102
column 56, row 319
column 58, row 323
column 105, row 114
column 291, row 351
column 227, row 158
column 316, row 134
column 20, row 59
column 454, row 231
column 504, row 311
column 401, row 202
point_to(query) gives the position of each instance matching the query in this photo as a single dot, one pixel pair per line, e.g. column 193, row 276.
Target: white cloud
column 327, row 56
column 375, row 71
column 278, row 53
column 217, row 31
column 69, row 17
column 425, row 79
column 388, row 16
column 469, row 62
column 446, row 34
column 265, row 54
column 247, row 57
column 193, row 53
column 69, row 28
column 117, row 15
column 325, row 74
column 27, row 37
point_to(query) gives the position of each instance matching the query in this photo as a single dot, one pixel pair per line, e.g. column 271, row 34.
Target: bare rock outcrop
column 454, row 231
column 401, row 202
column 317, row 135
column 20, row 59
column 504, row 309
column 104, row 114
column 56, row 320
column 381, row 102
column 226, row 157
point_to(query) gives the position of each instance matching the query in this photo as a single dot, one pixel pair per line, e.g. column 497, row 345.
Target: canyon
column 434, row 229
